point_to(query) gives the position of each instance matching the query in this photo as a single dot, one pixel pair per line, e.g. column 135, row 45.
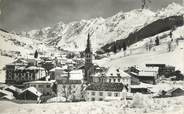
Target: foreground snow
column 154, row 106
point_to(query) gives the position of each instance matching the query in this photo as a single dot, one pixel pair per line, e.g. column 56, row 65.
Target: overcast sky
column 24, row 15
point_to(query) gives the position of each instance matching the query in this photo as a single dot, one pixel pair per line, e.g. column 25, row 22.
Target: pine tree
column 124, row 46
column 157, row 41
column 36, row 54
column 114, row 48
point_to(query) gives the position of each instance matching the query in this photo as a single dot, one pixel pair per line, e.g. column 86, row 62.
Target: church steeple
column 88, row 47
column 89, row 69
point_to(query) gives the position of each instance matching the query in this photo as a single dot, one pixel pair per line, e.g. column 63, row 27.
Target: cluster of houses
column 75, row 80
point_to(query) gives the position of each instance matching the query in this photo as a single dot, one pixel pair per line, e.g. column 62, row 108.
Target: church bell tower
column 89, row 69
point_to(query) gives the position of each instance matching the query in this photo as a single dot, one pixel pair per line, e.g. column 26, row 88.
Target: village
column 92, row 57
column 74, row 79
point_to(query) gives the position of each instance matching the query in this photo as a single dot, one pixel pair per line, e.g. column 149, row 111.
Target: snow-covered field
column 150, row 106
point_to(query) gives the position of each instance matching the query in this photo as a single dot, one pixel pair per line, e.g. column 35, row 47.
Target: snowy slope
column 72, row 36
column 137, row 54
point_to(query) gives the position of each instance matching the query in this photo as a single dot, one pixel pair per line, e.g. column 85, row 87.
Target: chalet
column 18, row 74
column 100, row 91
column 44, row 87
column 5, row 93
column 7, row 97
column 175, row 92
column 30, row 93
column 163, row 69
column 16, row 91
column 146, row 74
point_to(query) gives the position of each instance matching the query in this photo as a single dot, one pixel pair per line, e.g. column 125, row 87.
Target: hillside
column 137, row 54
column 72, row 36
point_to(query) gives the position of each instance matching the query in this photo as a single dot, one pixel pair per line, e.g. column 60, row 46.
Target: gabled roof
column 6, row 92
column 13, row 88
column 8, row 97
column 33, row 90
column 117, row 87
column 173, row 90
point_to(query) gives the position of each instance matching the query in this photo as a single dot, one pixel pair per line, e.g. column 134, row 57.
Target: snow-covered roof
column 6, row 92
column 35, row 68
column 76, row 75
column 21, row 68
column 56, row 68
column 147, row 74
column 116, row 71
column 9, row 97
column 33, row 90
column 142, row 68
column 141, row 85
column 13, row 88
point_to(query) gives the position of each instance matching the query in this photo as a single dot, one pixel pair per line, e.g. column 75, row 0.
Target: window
column 118, row 80
column 93, row 99
column 100, row 99
column 110, row 80
column 33, row 85
column 40, row 86
column 101, row 93
column 92, row 93
column 48, row 86
column 109, row 94
column 116, row 94
column 114, row 80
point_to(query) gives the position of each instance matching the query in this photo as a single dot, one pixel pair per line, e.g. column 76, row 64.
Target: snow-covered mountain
column 72, row 36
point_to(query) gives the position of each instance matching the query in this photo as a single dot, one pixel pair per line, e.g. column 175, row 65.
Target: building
column 146, row 74
column 102, row 91
column 30, row 93
column 113, row 76
column 89, row 67
column 44, row 87
column 18, row 73
column 69, row 85
column 141, row 88
column 175, row 92
column 57, row 72
column 5, row 93
column 163, row 69
column 16, row 91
